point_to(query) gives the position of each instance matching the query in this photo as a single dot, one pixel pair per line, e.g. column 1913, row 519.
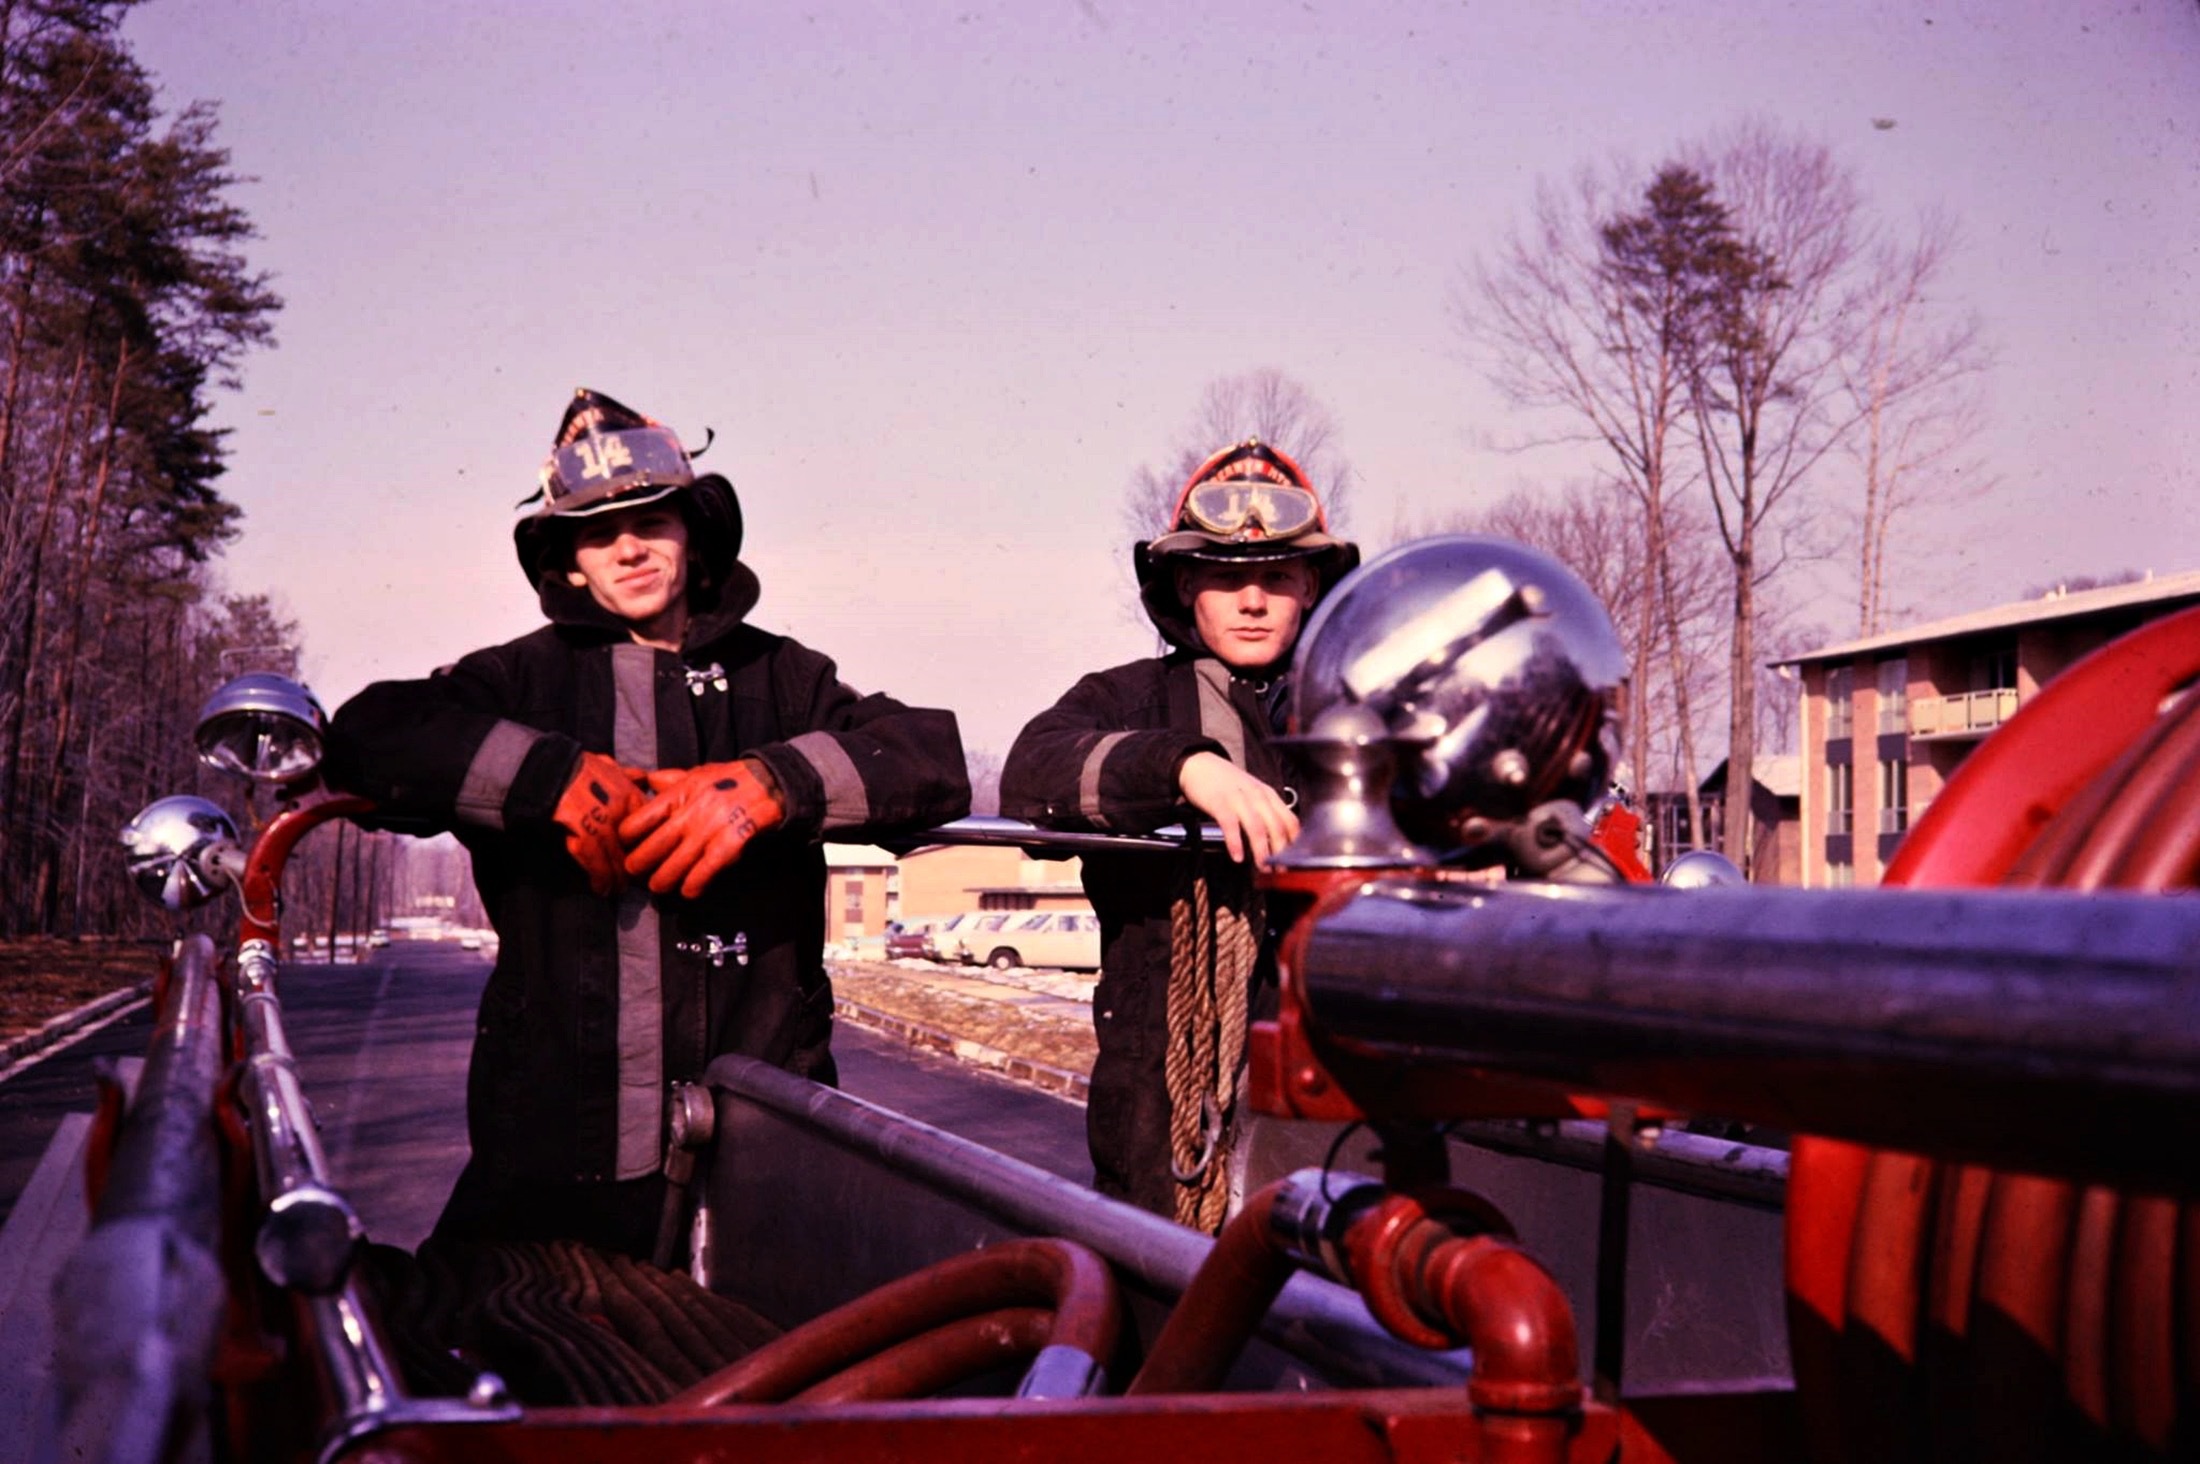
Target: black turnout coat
column 596, row 1005
column 1106, row 757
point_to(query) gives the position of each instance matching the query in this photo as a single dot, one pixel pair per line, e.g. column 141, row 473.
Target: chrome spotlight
column 1491, row 661
column 181, row 851
column 265, row 726
column 1701, row 869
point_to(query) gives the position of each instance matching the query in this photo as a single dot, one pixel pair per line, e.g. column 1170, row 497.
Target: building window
column 1894, row 795
column 1894, row 695
column 1840, row 798
column 853, row 910
column 1840, row 874
column 1840, row 702
column 1995, row 668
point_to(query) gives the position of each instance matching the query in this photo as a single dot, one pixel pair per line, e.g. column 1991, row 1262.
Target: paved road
column 382, row 1048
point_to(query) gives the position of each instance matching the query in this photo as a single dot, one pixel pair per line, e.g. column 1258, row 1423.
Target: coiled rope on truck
column 1214, row 942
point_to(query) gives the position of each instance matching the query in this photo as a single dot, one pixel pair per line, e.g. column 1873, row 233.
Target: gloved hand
column 600, row 795
column 699, row 822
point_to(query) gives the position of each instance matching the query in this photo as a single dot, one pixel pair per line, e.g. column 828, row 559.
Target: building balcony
column 1966, row 716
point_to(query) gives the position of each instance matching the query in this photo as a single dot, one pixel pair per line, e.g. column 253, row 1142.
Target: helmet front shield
column 603, row 470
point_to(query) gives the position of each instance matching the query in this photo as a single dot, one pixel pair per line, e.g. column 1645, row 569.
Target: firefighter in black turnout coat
column 1244, row 557
column 642, row 784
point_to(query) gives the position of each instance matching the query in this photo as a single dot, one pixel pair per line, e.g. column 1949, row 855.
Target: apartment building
column 1887, row 720
column 866, row 886
column 1775, row 797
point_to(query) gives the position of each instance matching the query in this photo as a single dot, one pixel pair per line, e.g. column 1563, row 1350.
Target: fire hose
column 1942, row 1310
column 968, row 1307
column 1437, row 1269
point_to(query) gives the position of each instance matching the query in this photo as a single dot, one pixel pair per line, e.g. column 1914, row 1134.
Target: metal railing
column 1962, row 714
column 2055, row 1032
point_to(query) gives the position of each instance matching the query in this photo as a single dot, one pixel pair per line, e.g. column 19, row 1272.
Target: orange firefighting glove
column 600, row 795
column 699, row 822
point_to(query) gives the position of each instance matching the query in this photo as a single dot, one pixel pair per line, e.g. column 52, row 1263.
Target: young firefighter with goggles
column 1244, row 557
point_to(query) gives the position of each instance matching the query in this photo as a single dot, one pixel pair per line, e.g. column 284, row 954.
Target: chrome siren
column 1495, row 670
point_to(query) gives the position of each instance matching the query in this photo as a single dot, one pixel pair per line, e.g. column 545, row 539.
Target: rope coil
column 1214, row 943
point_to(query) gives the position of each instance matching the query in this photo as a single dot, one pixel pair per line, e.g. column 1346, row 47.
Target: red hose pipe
column 1420, row 1276
column 1478, row 1290
column 1218, row 1312
column 2084, row 789
column 946, row 1355
column 1060, row 1274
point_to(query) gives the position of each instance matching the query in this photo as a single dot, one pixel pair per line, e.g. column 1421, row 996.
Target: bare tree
column 1768, row 396
column 1595, row 312
column 1263, row 403
column 1596, row 533
column 1914, row 379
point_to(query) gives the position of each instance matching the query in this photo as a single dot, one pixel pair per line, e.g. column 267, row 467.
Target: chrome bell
column 1347, row 763
column 1491, row 661
column 181, row 851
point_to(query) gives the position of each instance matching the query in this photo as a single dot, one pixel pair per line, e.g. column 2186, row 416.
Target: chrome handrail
column 1015, row 833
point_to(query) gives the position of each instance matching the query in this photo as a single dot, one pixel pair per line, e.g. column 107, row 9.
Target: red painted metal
column 263, row 876
column 1619, row 834
column 1074, row 1282
column 1407, row 1426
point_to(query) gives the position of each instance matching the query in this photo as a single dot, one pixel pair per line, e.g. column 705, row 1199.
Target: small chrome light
column 177, row 850
column 265, row 726
column 1701, row 869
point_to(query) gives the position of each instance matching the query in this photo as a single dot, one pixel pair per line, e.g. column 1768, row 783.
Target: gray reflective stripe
column 634, row 713
column 1217, row 718
column 641, row 1037
column 641, row 955
column 489, row 776
column 1088, row 780
column 846, row 803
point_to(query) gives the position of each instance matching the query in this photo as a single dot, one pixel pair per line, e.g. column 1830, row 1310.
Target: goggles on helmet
column 592, row 472
column 1237, row 507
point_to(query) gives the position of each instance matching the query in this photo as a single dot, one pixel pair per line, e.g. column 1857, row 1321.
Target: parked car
column 906, row 938
column 940, row 942
column 959, row 939
column 1066, row 938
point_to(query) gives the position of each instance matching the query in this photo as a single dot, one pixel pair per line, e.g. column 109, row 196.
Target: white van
column 1069, row 939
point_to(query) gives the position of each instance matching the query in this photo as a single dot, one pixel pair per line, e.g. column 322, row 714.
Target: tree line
column 126, row 300
column 1764, row 376
column 1767, row 372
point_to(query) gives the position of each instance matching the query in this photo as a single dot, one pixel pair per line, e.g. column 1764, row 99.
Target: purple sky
column 942, row 276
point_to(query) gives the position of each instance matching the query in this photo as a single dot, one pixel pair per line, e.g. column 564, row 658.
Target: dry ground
column 1055, row 1038
column 40, row 979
